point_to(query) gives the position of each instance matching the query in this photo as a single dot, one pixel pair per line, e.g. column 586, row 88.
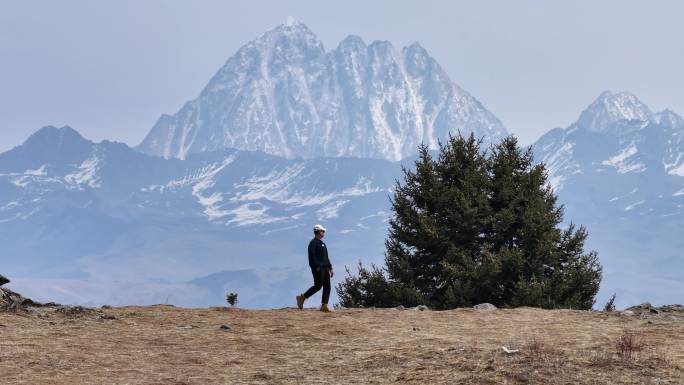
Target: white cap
column 319, row 228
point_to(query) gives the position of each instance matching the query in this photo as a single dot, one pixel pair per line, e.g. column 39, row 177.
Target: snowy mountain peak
column 669, row 119
column 51, row 141
column 54, row 136
column 291, row 21
column 416, row 47
column 611, row 108
column 294, row 36
column 285, row 95
column 351, row 42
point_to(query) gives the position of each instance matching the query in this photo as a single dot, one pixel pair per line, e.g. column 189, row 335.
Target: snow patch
column 251, row 214
column 676, row 168
column 87, row 173
column 206, row 180
column 559, row 164
column 613, row 199
column 280, row 186
column 331, row 211
column 635, row 204
column 9, row 206
column 619, row 161
column 38, row 172
column 381, row 214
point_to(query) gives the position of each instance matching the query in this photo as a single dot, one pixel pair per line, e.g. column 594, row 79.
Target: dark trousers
column 321, row 276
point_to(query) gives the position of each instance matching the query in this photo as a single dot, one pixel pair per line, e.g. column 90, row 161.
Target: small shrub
column 628, row 345
column 232, row 299
column 661, row 359
column 610, row 305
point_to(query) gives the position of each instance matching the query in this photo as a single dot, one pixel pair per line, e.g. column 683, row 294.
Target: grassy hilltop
column 168, row 345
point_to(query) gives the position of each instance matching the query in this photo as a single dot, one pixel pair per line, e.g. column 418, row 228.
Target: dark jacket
column 318, row 254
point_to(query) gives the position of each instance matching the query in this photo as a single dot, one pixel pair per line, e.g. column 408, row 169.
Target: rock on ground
column 484, row 306
column 12, row 301
column 646, row 310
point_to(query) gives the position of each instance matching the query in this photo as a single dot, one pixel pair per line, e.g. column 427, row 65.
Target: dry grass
column 628, row 345
column 167, row 345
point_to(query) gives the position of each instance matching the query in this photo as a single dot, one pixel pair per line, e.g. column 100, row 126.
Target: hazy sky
column 109, row 69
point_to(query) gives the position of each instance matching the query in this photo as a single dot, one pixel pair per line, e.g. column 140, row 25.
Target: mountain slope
column 285, row 95
column 104, row 222
column 618, row 170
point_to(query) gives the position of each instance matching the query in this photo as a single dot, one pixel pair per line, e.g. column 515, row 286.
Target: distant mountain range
column 73, row 209
column 222, row 196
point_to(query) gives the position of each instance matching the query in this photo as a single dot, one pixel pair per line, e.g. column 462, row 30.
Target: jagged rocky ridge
column 285, row 95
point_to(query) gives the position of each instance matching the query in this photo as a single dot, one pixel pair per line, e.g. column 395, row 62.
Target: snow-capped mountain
column 619, row 170
column 611, row 108
column 99, row 219
column 285, row 95
column 618, row 138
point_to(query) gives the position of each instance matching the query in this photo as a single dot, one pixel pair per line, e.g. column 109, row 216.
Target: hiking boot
column 325, row 308
column 300, row 301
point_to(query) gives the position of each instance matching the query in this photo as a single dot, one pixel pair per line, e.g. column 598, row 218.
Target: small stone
column 484, row 306
column 415, row 329
column 509, row 351
column 71, row 311
column 421, row 308
column 107, row 316
column 627, row 313
column 672, row 308
column 400, row 307
column 3, row 280
column 456, row 349
column 224, row 327
column 37, row 311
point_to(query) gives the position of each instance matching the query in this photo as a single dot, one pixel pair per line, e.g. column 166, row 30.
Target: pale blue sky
column 109, row 69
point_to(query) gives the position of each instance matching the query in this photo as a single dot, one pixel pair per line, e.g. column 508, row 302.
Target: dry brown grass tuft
column 537, row 349
column 628, row 345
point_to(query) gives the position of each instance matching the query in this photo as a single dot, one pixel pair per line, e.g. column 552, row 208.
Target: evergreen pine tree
column 471, row 227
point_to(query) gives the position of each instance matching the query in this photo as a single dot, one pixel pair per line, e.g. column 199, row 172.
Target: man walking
column 320, row 268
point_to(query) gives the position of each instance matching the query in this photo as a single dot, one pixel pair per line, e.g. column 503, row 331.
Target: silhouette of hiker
column 321, row 269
